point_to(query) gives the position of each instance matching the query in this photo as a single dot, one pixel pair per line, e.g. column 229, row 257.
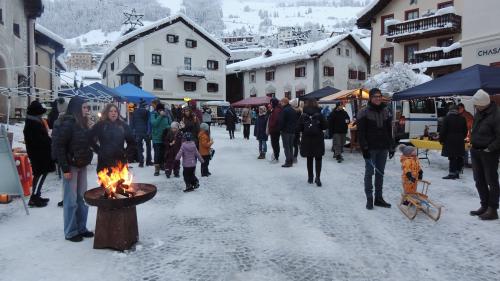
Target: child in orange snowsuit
column 411, row 168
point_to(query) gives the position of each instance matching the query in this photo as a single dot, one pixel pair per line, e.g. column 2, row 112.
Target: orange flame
column 111, row 178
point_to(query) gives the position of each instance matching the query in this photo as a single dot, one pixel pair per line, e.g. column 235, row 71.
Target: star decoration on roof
column 133, row 19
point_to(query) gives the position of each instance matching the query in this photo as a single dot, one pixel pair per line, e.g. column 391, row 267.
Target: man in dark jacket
column 485, row 140
column 375, row 139
column 274, row 128
column 141, row 129
column 452, row 136
column 338, row 124
column 288, row 125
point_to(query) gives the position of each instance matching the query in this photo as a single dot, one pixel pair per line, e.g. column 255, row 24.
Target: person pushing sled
column 412, row 200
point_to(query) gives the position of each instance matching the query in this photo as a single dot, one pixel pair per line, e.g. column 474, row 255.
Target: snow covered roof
column 299, row 53
column 160, row 24
column 366, row 14
column 85, row 76
column 50, row 34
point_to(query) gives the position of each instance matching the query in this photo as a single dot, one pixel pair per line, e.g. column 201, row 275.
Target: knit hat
column 294, row 102
column 187, row 136
column 406, row 149
column 374, row 91
column 36, row 108
column 274, row 102
column 62, row 105
column 160, row 106
column 204, row 126
column 75, row 106
column 481, row 98
column 175, row 124
column 262, row 110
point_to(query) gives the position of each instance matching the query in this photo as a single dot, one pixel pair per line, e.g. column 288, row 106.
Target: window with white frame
column 187, row 63
column 252, row 76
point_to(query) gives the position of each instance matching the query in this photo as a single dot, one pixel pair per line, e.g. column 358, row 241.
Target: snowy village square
column 249, row 140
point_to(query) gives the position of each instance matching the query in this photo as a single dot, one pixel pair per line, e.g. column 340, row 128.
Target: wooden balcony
column 437, row 55
column 424, row 28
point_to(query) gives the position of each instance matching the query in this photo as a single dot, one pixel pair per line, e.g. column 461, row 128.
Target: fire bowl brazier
column 116, row 223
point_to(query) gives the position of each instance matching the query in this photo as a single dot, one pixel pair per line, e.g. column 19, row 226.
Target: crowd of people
column 70, row 139
column 184, row 134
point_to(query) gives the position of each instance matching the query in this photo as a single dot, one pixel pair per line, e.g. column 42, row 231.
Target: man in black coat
column 375, row 139
column 141, row 129
column 288, row 125
column 338, row 124
column 452, row 136
column 485, row 151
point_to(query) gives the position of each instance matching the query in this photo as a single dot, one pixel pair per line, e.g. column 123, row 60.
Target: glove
column 410, row 177
column 366, row 154
column 391, row 154
column 420, row 175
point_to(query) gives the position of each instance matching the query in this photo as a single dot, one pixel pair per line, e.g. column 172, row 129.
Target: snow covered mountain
column 99, row 21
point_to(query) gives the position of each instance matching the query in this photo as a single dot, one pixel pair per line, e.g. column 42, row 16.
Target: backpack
column 312, row 124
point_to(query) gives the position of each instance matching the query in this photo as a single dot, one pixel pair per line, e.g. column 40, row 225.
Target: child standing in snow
column 205, row 144
column 411, row 168
column 189, row 155
column 172, row 142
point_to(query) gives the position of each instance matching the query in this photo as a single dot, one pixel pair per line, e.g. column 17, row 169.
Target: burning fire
column 116, row 181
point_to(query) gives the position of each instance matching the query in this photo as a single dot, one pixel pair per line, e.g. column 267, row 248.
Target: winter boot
column 149, row 164
column 450, row 177
column 157, row 170
column 196, row 185
column 317, row 181
column 262, row 155
column 168, row 173
column 490, row 214
column 294, row 160
column 479, row 211
column 141, row 165
column 380, row 202
column 60, row 204
column 287, row 164
column 369, row 203
column 36, row 202
column 310, row 179
column 45, row 200
column 189, row 188
column 176, row 174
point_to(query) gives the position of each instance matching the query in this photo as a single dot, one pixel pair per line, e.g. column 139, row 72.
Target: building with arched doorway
column 17, row 51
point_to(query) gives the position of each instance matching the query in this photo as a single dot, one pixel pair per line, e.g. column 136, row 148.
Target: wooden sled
column 412, row 203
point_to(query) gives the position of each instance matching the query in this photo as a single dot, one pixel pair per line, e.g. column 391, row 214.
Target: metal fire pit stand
column 116, row 222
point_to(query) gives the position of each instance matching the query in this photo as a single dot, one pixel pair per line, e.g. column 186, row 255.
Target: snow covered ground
column 253, row 220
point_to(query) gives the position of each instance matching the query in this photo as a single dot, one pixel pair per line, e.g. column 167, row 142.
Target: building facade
column 424, row 34
column 48, row 47
column 17, row 53
column 341, row 62
column 173, row 59
column 80, row 60
column 481, row 35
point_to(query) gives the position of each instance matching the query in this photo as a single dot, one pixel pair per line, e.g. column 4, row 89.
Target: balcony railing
column 183, row 71
column 424, row 28
column 437, row 55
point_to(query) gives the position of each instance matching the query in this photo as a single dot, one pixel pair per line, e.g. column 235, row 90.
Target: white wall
column 480, row 32
column 172, row 57
column 13, row 50
column 285, row 74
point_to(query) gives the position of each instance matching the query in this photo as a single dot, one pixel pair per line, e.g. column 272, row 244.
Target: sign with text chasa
column 488, row 51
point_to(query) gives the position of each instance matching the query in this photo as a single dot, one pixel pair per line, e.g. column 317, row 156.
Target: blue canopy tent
column 93, row 92
column 321, row 93
column 132, row 93
column 463, row 83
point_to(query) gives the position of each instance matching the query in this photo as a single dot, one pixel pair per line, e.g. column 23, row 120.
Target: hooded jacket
column 189, row 154
column 486, row 129
column 375, row 128
column 72, row 140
